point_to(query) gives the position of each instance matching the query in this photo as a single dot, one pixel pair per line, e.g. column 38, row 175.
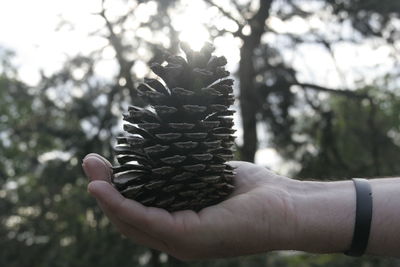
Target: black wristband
column 362, row 225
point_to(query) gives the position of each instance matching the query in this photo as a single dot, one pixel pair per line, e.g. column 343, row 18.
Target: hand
column 257, row 217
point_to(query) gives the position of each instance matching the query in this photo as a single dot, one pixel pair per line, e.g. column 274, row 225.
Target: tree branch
column 371, row 122
column 116, row 42
column 227, row 14
column 257, row 22
column 347, row 93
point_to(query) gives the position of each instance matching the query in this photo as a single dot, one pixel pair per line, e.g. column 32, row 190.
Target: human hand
column 257, row 217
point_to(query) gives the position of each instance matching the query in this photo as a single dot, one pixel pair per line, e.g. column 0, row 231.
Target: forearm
column 325, row 216
column 385, row 228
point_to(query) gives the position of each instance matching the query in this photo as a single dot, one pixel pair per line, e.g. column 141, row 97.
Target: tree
column 46, row 130
column 353, row 137
column 266, row 80
column 46, row 213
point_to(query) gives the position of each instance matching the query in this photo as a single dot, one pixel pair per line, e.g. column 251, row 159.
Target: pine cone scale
column 175, row 154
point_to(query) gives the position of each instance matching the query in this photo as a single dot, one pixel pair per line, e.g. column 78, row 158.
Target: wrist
column 324, row 216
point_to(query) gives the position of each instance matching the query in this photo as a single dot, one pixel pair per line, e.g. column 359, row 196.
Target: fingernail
column 95, row 169
column 84, row 170
column 89, row 189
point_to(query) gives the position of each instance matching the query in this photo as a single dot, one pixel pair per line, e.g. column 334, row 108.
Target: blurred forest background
column 294, row 117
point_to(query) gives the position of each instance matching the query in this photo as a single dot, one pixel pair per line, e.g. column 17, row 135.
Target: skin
column 266, row 212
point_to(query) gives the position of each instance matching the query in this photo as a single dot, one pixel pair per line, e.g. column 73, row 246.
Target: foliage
column 352, row 137
column 45, row 131
column 331, row 260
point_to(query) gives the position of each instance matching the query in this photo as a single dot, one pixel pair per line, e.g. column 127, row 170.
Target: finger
column 132, row 232
column 97, row 168
column 150, row 220
column 242, row 185
column 249, row 176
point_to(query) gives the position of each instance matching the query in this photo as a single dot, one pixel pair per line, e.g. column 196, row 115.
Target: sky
column 32, row 33
column 34, row 30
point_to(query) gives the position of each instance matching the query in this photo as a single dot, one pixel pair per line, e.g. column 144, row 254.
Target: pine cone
column 175, row 154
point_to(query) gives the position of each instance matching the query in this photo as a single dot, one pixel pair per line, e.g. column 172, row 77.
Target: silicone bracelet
column 362, row 225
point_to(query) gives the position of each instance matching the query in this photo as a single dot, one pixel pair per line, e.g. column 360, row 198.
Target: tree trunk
column 248, row 95
column 247, row 105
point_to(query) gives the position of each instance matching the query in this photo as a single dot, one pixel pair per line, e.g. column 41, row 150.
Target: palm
column 246, row 222
column 257, row 196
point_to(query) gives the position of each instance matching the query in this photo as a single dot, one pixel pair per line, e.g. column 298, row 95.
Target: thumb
column 97, row 168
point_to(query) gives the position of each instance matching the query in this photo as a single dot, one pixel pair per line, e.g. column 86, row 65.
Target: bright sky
column 29, row 28
column 31, row 32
